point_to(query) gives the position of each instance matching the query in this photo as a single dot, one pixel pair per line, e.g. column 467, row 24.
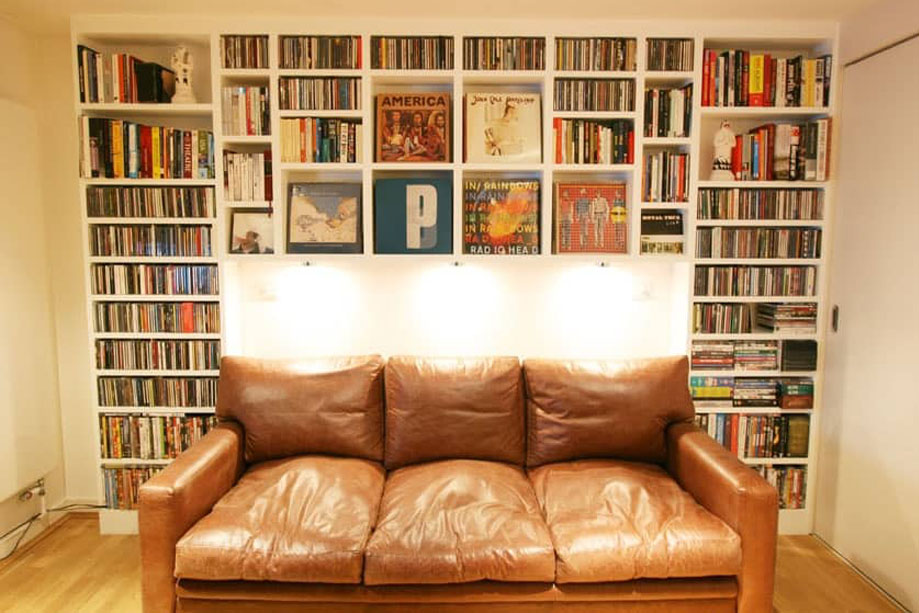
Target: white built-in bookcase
column 153, row 39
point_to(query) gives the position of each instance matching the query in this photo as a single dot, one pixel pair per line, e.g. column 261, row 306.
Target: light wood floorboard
column 75, row 569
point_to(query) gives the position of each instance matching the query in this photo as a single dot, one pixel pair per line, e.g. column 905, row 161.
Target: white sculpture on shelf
column 724, row 143
column 182, row 64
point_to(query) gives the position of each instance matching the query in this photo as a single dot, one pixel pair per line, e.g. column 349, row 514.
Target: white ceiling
column 45, row 15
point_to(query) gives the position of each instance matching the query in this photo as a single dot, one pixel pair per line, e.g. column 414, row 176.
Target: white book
column 780, row 76
column 503, row 128
column 823, row 129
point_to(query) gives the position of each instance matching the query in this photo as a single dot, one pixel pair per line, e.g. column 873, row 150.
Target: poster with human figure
column 413, row 127
column 503, row 128
column 590, row 218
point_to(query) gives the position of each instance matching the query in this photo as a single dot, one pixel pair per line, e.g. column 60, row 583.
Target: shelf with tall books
column 597, row 141
column 758, row 307
column 147, row 170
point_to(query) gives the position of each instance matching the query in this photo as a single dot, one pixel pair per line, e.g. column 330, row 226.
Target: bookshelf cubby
column 296, row 60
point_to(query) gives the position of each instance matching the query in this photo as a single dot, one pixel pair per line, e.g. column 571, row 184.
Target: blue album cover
column 413, row 215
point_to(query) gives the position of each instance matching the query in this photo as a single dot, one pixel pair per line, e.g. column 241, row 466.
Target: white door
column 868, row 483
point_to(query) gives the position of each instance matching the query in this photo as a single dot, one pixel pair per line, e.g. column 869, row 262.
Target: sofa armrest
column 173, row 500
column 745, row 501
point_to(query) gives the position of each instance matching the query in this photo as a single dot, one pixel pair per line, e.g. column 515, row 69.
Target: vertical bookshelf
column 155, row 333
column 798, row 207
column 640, row 72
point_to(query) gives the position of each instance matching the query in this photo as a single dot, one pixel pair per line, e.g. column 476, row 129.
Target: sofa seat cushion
column 458, row 521
column 305, row 518
column 613, row 520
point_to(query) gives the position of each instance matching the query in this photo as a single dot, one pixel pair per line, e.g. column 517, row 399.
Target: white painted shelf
column 145, row 109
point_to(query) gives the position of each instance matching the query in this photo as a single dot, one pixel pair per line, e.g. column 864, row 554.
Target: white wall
column 877, row 25
column 30, row 437
column 868, row 485
column 423, row 306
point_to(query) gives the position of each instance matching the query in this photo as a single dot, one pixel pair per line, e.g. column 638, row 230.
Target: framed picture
column 413, row 215
column 324, row 218
column 252, row 232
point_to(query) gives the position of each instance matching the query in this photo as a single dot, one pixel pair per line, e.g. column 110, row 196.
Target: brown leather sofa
column 354, row 484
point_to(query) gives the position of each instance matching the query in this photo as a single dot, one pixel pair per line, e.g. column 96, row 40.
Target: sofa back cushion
column 604, row 409
column 330, row 406
column 448, row 408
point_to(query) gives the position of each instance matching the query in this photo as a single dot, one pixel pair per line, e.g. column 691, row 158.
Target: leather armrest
column 173, row 500
column 728, row 488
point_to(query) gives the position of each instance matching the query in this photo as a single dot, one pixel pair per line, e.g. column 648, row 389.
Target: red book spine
column 768, row 76
column 737, row 158
column 557, row 129
column 360, row 55
column 711, row 81
column 706, row 75
column 188, row 317
column 631, row 159
column 186, row 154
column 734, row 442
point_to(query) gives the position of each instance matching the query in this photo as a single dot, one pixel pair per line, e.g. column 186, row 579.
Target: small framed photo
column 252, row 232
column 324, row 218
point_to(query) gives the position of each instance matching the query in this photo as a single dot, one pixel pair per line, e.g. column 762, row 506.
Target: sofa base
column 714, row 595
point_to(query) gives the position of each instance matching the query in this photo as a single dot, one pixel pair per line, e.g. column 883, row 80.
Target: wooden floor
column 75, row 569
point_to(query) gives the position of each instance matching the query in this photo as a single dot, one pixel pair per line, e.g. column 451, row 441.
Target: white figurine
column 182, row 64
column 724, row 143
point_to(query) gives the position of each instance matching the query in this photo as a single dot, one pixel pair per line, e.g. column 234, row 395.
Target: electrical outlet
column 36, row 489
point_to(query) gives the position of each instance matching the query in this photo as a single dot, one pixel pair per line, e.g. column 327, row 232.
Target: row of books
column 666, row 177
column 754, row 355
column 157, row 354
column 727, row 242
column 670, row 54
column 755, row 281
column 768, row 392
column 595, row 54
column 154, row 392
column 661, row 232
column 124, row 201
column 735, row 355
column 246, row 111
column 244, row 51
column 504, row 53
column 152, row 279
column 719, row 203
column 745, row 317
column 668, row 111
column 785, row 152
column 800, row 317
column 247, row 176
column 411, row 52
column 789, row 481
column 319, row 52
column 122, row 485
column 590, row 218
column 319, row 93
column 115, row 148
column 121, row 78
column 157, row 317
column 584, row 141
column 759, row 436
column 737, row 77
column 150, row 437
column 594, row 95
column 150, row 240
column 312, row 139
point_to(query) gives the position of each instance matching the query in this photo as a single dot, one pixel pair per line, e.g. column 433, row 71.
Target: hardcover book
column 590, row 218
column 503, row 128
column 501, row 217
column 413, row 127
column 324, row 218
column 413, row 215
